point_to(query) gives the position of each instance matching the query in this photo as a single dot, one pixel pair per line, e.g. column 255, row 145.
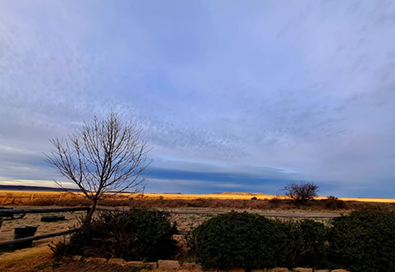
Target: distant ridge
column 34, row 188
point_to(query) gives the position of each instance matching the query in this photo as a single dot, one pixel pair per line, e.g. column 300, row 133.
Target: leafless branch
column 301, row 192
column 101, row 157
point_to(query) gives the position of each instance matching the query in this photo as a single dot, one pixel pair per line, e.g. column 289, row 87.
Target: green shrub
column 239, row 240
column 307, row 244
column 138, row 234
column 364, row 241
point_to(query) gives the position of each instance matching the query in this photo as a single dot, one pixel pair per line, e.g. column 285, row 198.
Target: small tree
column 301, row 192
column 103, row 156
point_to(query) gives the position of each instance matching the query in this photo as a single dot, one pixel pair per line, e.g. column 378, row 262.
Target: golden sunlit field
column 247, row 196
column 31, row 197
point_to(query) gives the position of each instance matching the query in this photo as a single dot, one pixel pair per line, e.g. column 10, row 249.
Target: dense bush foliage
column 361, row 241
column 364, row 241
column 307, row 244
column 239, row 240
column 138, row 234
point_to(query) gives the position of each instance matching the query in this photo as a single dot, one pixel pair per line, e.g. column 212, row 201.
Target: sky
column 232, row 96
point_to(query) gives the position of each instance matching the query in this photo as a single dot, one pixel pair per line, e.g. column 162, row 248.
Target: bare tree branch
column 103, row 156
column 301, row 192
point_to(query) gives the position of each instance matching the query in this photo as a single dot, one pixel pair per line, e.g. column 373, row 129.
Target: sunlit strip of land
column 248, row 196
column 226, row 195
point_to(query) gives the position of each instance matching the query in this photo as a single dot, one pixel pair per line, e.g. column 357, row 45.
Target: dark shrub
column 275, row 200
column 364, row 241
column 134, row 235
column 301, row 192
column 239, row 240
column 307, row 244
column 333, row 203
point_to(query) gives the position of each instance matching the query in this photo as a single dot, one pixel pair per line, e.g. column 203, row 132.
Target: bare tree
column 301, row 192
column 101, row 157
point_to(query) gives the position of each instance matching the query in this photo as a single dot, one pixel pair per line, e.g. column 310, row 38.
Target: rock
column 278, row 269
column 135, row 264
column 76, row 258
column 259, row 270
column 168, row 264
column 301, row 269
column 116, row 261
column 95, row 260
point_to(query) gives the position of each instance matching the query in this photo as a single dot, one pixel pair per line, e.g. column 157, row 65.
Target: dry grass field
column 20, row 197
column 243, row 201
column 26, row 196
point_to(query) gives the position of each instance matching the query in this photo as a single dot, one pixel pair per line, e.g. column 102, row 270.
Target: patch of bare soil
column 32, row 219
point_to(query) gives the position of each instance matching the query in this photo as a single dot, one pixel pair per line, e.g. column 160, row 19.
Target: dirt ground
column 186, row 219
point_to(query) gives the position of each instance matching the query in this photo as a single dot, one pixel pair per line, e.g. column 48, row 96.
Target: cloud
column 287, row 90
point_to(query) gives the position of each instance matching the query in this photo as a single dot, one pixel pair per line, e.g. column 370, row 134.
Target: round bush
column 239, row 240
column 364, row 241
column 139, row 234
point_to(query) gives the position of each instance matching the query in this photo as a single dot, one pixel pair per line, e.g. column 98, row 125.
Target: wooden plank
column 4, row 212
column 38, row 237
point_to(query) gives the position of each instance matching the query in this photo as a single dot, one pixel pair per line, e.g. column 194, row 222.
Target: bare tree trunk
column 91, row 211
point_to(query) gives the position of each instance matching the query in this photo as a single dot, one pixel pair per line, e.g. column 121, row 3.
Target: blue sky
column 240, row 96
